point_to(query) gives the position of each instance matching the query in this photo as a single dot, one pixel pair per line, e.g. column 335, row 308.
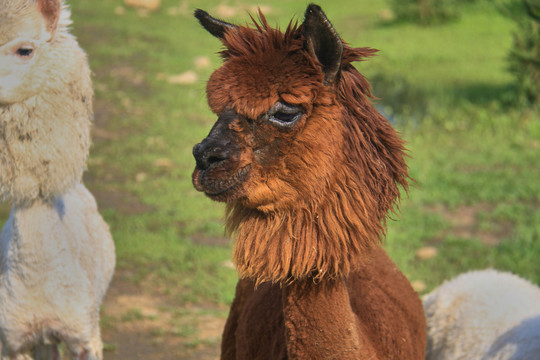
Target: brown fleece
column 374, row 314
column 307, row 204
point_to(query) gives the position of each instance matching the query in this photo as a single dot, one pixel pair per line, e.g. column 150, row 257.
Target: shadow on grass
column 482, row 94
column 404, row 103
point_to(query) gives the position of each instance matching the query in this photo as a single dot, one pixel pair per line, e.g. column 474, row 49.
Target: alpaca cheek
column 16, row 80
column 269, row 194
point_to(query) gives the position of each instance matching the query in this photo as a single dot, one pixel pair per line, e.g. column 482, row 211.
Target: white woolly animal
column 56, row 252
column 483, row 315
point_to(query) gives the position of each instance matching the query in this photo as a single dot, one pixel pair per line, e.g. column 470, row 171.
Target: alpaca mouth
column 220, row 188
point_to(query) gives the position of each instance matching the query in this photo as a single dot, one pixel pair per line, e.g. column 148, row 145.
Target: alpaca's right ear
column 50, row 9
column 214, row 26
column 323, row 42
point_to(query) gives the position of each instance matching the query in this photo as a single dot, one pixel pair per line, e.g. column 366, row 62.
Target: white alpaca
column 56, row 252
column 484, row 315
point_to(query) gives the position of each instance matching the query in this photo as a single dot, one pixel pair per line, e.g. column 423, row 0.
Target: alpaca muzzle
column 218, row 146
column 210, row 154
column 218, row 172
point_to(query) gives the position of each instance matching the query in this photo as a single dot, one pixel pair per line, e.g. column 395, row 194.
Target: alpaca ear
column 323, row 42
column 215, row 27
column 50, row 9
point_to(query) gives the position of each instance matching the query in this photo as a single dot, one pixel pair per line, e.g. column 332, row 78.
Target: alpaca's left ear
column 50, row 10
column 214, row 26
column 323, row 42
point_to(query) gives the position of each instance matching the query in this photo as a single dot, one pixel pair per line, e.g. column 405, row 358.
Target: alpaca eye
column 24, row 52
column 284, row 115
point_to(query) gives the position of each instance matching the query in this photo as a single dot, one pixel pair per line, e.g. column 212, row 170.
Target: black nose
column 208, row 153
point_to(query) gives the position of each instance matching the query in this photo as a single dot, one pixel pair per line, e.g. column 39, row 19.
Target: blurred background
column 460, row 79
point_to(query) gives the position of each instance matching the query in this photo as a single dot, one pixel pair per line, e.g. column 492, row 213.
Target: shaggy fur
column 56, row 252
column 486, row 315
column 45, row 104
column 309, row 170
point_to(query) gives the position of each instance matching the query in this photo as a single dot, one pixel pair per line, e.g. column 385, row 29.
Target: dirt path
column 138, row 323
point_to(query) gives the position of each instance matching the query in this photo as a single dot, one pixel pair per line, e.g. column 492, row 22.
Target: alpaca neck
column 29, row 247
column 319, row 315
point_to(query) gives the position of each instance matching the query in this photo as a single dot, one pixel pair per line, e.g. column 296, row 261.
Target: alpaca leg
column 92, row 350
column 88, row 347
column 86, row 354
column 46, row 352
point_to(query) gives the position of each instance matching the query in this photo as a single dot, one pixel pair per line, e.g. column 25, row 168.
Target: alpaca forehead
column 253, row 87
column 24, row 23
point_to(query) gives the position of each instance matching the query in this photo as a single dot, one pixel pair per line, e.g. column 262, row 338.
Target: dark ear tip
column 215, row 27
column 313, row 8
column 200, row 14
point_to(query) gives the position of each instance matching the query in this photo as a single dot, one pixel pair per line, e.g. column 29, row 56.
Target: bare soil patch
column 121, row 201
column 140, row 323
column 464, row 223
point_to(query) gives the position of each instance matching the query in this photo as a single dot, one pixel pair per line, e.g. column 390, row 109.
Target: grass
column 470, row 149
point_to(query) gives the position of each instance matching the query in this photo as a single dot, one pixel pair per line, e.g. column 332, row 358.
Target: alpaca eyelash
column 284, row 115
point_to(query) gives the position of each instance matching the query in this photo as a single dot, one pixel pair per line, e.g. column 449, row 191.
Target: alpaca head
column 307, row 166
column 26, row 30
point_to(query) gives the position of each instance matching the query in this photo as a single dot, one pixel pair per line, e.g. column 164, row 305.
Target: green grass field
column 470, row 151
column 474, row 156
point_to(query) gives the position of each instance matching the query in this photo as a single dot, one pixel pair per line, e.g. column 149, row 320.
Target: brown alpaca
column 308, row 169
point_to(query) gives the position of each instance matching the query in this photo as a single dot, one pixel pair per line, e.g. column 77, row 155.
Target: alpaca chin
column 219, row 187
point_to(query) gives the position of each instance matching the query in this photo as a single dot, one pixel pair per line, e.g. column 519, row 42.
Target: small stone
column 426, row 252
column 418, row 285
column 228, row 264
column 202, row 62
column 163, row 163
column 225, row 11
column 387, row 15
column 146, row 4
column 119, row 10
column 140, row 177
column 265, row 9
column 189, row 77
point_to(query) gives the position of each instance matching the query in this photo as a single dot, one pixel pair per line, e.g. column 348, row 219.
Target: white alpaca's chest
column 56, row 263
